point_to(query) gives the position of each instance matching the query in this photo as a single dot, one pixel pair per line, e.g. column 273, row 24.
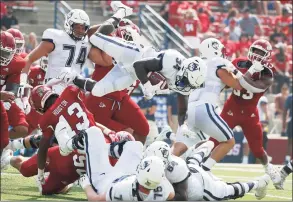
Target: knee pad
column 239, row 191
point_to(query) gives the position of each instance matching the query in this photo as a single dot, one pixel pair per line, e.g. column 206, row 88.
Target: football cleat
column 280, row 184
column 273, row 173
column 5, row 159
column 261, row 189
column 204, row 148
column 116, row 5
column 166, row 134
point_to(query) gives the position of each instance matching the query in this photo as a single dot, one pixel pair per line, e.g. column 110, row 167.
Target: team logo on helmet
column 40, row 92
column 145, row 165
column 193, row 67
column 165, row 152
column 215, row 45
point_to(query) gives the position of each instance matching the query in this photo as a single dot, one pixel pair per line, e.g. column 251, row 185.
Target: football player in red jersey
column 19, row 40
column 68, row 108
column 11, row 66
column 119, row 111
column 241, row 107
column 63, row 170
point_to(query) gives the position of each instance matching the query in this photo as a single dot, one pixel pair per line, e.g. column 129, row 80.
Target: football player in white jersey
column 71, row 48
column 134, row 61
column 195, row 184
column 203, row 102
column 130, row 179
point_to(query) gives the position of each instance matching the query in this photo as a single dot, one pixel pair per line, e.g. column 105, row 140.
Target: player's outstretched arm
column 256, row 86
column 144, row 66
column 84, row 83
column 89, row 191
column 99, row 57
column 182, row 108
column 229, row 79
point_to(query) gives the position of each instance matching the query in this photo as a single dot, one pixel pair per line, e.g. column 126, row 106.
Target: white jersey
column 67, row 52
column 176, row 171
column 213, row 85
column 125, row 188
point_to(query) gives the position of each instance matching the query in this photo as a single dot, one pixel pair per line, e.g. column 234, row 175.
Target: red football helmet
column 19, row 39
column 260, row 50
column 7, row 48
column 122, row 31
column 39, row 96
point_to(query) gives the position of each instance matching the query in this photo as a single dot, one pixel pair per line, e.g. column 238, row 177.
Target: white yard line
column 250, row 170
column 273, row 196
column 245, row 178
column 10, row 174
column 241, row 165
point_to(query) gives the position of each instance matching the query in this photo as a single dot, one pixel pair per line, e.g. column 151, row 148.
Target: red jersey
column 190, row 27
column 281, row 64
column 33, row 118
column 245, row 99
column 205, row 22
column 99, row 73
column 243, row 45
column 69, row 108
column 36, row 76
column 230, row 47
column 11, row 72
column 284, row 21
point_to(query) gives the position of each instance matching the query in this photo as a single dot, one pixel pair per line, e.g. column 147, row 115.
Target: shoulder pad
column 52, row 34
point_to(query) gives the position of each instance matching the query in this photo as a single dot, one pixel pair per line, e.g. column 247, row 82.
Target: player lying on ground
column 131, row 179
column 134, row 61
column 192, row 183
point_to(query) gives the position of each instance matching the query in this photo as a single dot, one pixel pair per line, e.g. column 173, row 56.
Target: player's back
column 36, row 76
column 244, row 99
column 213, row 85
column 66, row 53
column 69, row 107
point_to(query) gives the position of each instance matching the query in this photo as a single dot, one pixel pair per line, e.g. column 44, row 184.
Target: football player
column 63, row 170
column 11, row 67
column 134, row 61
column 71, row 48
column 240, row 109
column 128, row 180
column 119, row 111
column 203, row 102
column 196, row 184
column 68, row 107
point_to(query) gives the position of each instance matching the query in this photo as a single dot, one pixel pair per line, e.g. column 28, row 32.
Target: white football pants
column 99, row 170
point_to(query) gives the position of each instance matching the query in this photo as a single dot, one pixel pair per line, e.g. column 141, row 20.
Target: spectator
column 191, row 27
column 243, row 45
column 280, row 61
column 233, row 13
column 149, row 107
column 230, row 46
column 3, row 9
column 174, row 17
column 233, row 29
column 285, row 19
column 278, row 36
column 32, row 42
column 249, row 22
column 264, row 6
column 287, row 125
column 204, row 20
column 172, row 114
column 9, row 21
column 164, row 10
column 280, row 101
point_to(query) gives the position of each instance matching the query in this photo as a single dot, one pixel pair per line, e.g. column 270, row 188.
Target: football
column 156, row 77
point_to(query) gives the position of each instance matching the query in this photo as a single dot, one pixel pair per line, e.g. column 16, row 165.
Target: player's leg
column 31, row 141
column 17, row 120
column 205, row 118
column 290, row 135
column 130, row 115
column 121, row 50
column 254, row 135
column 219, row 190
column 285, row 171
column 115, row 80
column 54, row 185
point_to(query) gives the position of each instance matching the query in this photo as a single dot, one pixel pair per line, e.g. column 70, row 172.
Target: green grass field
column 16, row 187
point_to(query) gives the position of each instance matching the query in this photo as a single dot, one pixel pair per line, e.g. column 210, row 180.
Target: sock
column 245, row 160
column 120, row 13
column 208, row 164
column 287, row 168
column 287, row 158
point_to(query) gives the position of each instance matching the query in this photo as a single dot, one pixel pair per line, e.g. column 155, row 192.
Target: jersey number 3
column 246, row 96
column 81, row 56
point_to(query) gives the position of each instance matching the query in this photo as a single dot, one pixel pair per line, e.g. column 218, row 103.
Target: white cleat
column 261, row 189
column 205, row 147
column 274, row 174
column 280, row 185
column 163, row 134
column 116, row 5
column 5, row 159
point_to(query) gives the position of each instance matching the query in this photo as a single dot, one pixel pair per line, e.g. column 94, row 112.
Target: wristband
column 23, row 78
column 40, row 171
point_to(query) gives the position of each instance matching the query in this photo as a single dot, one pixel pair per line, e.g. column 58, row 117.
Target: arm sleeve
column 144, row 66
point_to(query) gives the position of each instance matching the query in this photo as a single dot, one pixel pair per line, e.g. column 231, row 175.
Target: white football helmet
column 210, row 48
column 76, row 16
column 44, row 63
column 191, row 75
column 150, row 172
column 160, row 149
